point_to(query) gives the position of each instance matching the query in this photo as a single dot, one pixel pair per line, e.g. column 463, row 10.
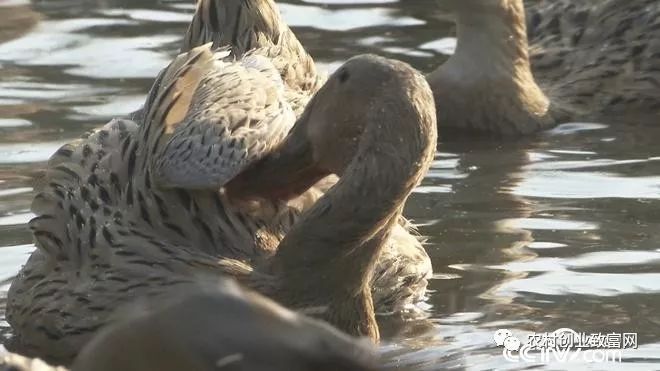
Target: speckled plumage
column 245, row 25
column 222, row 117
column 600, row 56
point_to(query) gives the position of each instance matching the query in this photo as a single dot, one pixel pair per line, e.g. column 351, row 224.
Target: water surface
column 532, row 235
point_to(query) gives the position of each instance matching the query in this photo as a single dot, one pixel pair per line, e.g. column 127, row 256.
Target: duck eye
column 343, row 76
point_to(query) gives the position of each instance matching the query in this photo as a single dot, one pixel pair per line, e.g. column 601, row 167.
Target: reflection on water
column 532, row 235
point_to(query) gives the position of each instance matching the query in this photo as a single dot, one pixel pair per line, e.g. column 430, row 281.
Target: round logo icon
column 501, row 335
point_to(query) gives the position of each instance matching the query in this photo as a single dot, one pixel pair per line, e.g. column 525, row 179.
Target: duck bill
column 284, row 174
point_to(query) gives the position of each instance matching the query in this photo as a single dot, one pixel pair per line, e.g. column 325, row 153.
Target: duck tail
column 254, row 25
column 242, row 24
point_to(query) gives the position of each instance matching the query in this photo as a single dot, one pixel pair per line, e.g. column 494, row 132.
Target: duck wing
column 213, row 117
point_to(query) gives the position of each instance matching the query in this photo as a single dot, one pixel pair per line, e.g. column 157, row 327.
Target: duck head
column 328, row 135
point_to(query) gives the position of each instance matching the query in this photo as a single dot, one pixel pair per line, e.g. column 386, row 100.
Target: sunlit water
column 558, row 231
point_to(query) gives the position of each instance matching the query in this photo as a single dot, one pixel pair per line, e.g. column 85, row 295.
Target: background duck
column 109, row 228
column 212, row 325
column 602, row 55
column 593, row 61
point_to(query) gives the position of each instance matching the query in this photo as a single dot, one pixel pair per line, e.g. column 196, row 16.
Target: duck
column 212, row 324
column 127, row 213
column 589, row 60
column 404, row 267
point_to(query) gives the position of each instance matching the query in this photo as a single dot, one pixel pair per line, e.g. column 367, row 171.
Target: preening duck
column 588, row 60
column 243, row 25
column 212, row 325
column 122, row 214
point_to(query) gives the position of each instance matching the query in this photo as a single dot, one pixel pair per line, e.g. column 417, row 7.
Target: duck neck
column 326, row 260
column 490, row 72
column 493, row 42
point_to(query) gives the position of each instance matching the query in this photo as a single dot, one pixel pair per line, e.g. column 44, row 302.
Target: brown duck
column 122, row 215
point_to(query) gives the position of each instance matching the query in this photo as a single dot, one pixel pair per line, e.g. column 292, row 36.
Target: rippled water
column 557, row 231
